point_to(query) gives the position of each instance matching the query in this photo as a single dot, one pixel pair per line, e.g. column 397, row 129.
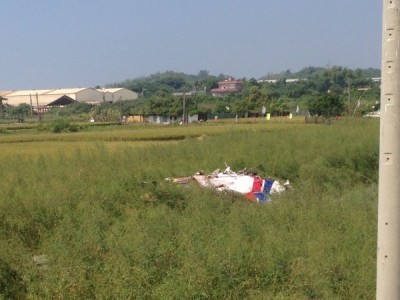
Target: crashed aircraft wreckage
column 255, row 188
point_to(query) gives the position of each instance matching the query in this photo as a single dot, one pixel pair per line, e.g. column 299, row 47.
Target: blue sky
column 84, row 43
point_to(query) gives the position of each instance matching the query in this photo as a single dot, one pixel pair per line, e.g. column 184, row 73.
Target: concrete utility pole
column 388, row 250
column 349, row 94
column 37, row 106
column 30, row 100
column 184, row 108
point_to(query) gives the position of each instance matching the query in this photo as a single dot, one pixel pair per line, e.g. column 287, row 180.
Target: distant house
column 155, row 119
column 227, row 87
column 186, row 94
column 287, row 80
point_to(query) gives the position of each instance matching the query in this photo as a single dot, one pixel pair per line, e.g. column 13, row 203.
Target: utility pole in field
column 184, row 108
column 37, row 107
column 30, row 100
column 349, row 94
column 388, row 248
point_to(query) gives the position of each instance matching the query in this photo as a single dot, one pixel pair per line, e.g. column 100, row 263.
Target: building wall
column 108, row 96
column 16, row 98
column 84, row 95
column 136, row 119
column 125, row 94
column 115, row 94
column 88, row 96
column 230, row 86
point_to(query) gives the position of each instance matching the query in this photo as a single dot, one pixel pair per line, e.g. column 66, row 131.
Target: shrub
column 11, row 283
column 328, row 105
column 62, row 125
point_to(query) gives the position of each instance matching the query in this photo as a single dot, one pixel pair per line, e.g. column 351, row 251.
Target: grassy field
column 95, row 205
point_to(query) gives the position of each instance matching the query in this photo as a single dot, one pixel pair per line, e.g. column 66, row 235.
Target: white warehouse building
column 16, row 98
column 50, row 97
column 118, row 94
column 83, row 95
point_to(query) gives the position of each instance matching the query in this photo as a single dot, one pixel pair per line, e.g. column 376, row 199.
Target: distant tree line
column 275, row 92
column 327, row 91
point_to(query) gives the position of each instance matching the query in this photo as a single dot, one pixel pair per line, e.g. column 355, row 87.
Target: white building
column 52, row 97
column 49, row 97
column 40, row 100
column 83, row 95
column 117, row 94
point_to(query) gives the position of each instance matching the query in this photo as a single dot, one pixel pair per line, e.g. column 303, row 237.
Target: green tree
column 279, row 108
column 220, row 107
column 12, row 285
column 159, row 105
column 327, row 105
column 241, row 108
column 21, row 111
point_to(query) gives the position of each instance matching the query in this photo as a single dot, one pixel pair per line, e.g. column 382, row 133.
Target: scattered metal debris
column 245, row 182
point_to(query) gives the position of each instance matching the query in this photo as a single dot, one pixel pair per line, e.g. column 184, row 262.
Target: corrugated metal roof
column 47, row 99
column 66, row 91
column 63, row 100
column 27, row 92
column 41, row 100
column 3, row 93
column 112, row 90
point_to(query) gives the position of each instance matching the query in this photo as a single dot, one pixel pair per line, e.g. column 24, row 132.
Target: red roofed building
column 227, row 87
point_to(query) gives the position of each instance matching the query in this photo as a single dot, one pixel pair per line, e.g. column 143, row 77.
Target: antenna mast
column 388, row 248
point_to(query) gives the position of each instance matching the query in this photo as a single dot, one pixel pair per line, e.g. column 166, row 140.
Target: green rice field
column 88, row 214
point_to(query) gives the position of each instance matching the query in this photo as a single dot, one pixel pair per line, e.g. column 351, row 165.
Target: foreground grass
column 112, row 228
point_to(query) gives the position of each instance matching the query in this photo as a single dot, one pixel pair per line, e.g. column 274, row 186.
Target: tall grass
column 111, row 227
